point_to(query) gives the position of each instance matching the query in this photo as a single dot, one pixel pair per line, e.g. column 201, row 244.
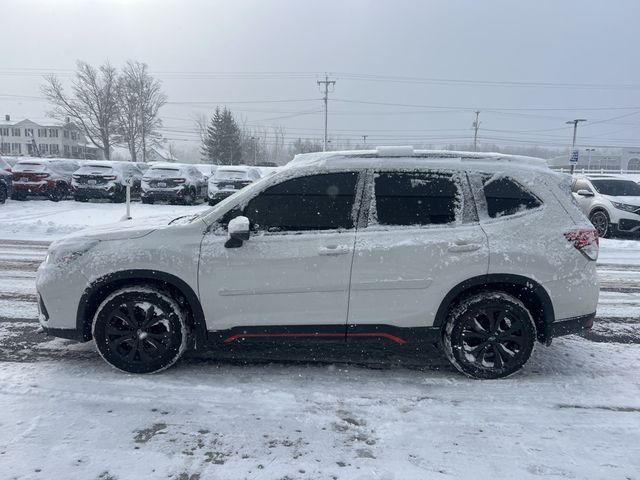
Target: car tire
column 601, row 222
column 140, row 330
column 146, row 200
column 17, row 195
column 189, row 197
column 80, row 198
column 3, row 194
column 120, row 196
column 59, row 192
column 489, row 335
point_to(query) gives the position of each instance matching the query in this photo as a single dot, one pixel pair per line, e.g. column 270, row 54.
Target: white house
column 26, row 137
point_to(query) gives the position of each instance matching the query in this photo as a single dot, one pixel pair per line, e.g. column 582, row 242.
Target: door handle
column 334, row 250
column 461, row 245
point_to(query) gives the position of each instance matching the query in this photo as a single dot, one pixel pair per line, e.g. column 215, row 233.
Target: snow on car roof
column 409, row 156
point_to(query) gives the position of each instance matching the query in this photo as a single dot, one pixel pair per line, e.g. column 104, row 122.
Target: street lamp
column 575, row 130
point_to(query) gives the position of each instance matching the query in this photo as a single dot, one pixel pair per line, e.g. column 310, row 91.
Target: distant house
column 26, row 137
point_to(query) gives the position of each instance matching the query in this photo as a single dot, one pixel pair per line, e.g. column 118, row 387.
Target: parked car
column 611, row 203
column 173, row 182
column 227, row 180
column 6, row 185
column 41, row 177
column 106, row 179
column 480, row 254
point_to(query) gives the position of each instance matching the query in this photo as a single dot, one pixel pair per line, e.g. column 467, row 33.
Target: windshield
column 617, row 188
column 162, row 172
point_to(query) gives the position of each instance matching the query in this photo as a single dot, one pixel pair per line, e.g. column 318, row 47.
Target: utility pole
column 575, row 131
column 255, row 148
column 326, row 82
column 476, row 126
column 364, row 139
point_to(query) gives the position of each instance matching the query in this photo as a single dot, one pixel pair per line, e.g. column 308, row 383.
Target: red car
column 49, row 178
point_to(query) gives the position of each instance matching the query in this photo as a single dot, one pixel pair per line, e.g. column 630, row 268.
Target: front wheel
column 489, row 335
column 600, row 220
column 140, row 330
column 58, row 192
column 3, row 194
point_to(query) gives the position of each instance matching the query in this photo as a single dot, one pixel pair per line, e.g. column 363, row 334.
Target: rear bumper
column 163, row 194
column 568, row 326
column 31, row 188
column 95, row 192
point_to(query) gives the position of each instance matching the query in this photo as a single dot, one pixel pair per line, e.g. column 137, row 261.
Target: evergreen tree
column 221, row 144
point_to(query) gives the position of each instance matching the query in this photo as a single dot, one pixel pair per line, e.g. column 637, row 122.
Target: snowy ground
column 574, row 412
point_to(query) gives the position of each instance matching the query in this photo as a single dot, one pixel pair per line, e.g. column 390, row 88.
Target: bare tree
column 92, row 104
column 139, row 101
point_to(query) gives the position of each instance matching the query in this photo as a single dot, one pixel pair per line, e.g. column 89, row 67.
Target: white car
column 481, row 254
column 611, row 203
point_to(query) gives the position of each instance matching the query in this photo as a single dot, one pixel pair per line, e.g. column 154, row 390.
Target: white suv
column 611, row 203
column 478, row 254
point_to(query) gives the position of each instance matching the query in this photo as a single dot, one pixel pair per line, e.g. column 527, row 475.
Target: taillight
column 586, row 241
column 109, row 177
column 179, row 180
column 41, row 175
column 76, row 177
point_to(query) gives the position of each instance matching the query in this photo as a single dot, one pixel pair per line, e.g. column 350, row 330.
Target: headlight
column 66, row 251
column 625, row 207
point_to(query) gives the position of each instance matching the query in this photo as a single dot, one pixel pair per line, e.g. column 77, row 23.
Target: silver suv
column 481, row 255
column 611, row 203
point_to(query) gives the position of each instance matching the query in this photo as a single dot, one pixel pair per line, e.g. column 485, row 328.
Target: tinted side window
column 317, row 202
column 416, row 198
column 506, row 197
column 581, row 185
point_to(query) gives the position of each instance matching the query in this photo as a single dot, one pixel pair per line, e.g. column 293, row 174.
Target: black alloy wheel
column 140, row 330
column 489, row 335
column 600, row 220
column 189, row 197
column 3, row 194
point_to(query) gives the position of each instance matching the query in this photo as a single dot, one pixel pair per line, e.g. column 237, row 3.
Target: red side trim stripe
column 388, row 336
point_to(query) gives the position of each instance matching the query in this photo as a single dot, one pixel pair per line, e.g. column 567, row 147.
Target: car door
column 421, row 239
column 294, row 269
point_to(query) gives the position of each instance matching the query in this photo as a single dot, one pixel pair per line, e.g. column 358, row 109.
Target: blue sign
column 574, row 156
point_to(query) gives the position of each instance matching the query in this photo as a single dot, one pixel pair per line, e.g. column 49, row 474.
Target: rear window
column 230, row 175
column 162, row 172
column 506, row 197
column 94, row 169
column 29, row 167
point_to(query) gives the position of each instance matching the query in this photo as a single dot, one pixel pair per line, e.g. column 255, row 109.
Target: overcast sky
column 527, row 65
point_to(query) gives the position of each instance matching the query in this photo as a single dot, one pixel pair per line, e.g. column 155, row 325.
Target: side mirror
column 238, row 232
column 585, row 193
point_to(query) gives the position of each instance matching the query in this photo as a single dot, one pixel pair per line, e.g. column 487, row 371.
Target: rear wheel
column 119, row 196
column 147, row 200
column 80, row 198
column 489, row 335
column 189, row 197
column 140, row 330
column 18, row 195
column 3, row 194
column 59, row 192
column 601, row 222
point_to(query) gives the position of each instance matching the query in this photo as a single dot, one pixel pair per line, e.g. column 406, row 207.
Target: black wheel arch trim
column 93, row 291
column 496, row 280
